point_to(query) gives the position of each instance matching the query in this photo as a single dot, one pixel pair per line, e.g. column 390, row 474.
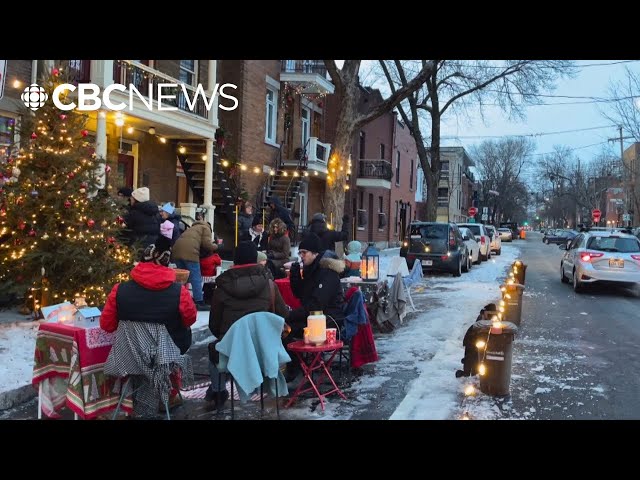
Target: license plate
column 616, row 262
column 427, row 263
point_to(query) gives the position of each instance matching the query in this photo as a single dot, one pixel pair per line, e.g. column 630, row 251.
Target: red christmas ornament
column 63, row 116
column 21, row 225
column 32, row 233
column 55, row 72
column 83, row 185
column 17, row 241
column 67, row 204
column 111, row 240
column 84, row 133
column 71, row 174
column 91, row 222
column 120, row 219
column 19, row 278
column 34, row 135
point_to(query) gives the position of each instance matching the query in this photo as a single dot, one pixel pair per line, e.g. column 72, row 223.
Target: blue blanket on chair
column 355, row 314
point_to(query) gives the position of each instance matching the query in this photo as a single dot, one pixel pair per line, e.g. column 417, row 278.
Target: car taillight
column 452, row 240
column 587, row 256
column 482, row 240
column 635, row 257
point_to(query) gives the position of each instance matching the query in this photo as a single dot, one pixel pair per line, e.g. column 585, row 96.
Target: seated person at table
column 257, row 234
column 320, row 289
column 245, row 288
column 352, row 259
column 152, row 296
column 209, row 261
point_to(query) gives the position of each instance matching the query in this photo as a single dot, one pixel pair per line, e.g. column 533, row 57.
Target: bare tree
column 350, row 120
column 500, row 164
column 625, row 112
column 458, row 86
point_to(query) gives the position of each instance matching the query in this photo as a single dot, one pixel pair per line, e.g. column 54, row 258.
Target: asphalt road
column 576, row 356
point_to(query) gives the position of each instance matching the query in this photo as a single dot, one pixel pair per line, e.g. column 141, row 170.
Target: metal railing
column 79, row 70
column 304, row 66
column 146, row 79
column 380, row 169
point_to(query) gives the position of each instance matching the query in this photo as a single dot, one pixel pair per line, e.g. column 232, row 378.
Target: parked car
column 601, row 257
column 483, row 238
column 496, row 241
column 513, row 226
column 437, row 245
column 472, row 246
column 505, row 234
column 560, row 237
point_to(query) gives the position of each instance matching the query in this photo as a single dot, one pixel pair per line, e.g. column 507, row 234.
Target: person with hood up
column 245, row 219
column 257, row 234
column 279, row 211
column 278, row 248
column 142, row 222
column 328, row 238
column 244, row 288
column 320, row 289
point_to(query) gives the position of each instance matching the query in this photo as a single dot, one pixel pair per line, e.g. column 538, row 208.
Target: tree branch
column 334, row 73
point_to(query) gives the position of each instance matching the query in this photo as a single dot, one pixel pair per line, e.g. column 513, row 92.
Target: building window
column 382, row 151
column 380, row 204
column 7, row 130
column 395, row 229
column 305, row 117
column 362, row 142
column 271, row 116
column 411, row 175
column 362, row 199
column 188, row 71
column 398, row 168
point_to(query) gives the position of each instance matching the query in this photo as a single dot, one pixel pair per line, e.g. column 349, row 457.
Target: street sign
column 473, row 211
column 595, row 213
column 3, row 75
column 626, row 217
column 485, row 217
column 472, row 220
column 485, row 210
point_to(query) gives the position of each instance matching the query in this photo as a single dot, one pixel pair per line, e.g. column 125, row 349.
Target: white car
column 472, row 246
column 482, row 237
column 600, row 256
column 505, row 234
column 496, row 241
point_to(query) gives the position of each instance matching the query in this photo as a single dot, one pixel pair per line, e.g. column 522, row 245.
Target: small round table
column 317, row 363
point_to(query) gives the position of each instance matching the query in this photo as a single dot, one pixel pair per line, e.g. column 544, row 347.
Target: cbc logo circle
column 34, row 96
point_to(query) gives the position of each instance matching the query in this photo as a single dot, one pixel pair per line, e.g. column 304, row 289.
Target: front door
column 370, row 236
column 305, row 117
column 124, row 175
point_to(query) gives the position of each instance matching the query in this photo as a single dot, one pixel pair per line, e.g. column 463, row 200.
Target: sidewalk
column 18, row 340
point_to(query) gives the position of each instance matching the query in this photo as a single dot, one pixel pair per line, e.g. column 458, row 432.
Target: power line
column 504, row 67
column 527, row 134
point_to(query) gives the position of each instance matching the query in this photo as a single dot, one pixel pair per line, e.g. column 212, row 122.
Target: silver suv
column 601, row 256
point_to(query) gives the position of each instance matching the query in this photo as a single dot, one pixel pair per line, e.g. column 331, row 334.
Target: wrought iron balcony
column 376, row 169
column 304, row 66
column 310, row 74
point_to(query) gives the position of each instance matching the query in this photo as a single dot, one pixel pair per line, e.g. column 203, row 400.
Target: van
column 437, row 246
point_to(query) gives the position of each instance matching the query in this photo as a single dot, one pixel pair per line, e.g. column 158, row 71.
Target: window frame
column 193, row 73
column 273, row 116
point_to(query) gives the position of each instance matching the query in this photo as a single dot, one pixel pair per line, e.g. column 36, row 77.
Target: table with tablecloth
column 284, row 285
column 69, row 370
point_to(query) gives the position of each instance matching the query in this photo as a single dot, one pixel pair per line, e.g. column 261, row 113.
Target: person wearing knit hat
column 168, row 215
column 245, row 254
column 140, row 194
column 320, row 289
column 125, row 192
column 353, row 259
column 256, row 234
column 245, row 288
column 153, row 295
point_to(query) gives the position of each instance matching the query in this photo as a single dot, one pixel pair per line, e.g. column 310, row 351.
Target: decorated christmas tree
column 58, row 231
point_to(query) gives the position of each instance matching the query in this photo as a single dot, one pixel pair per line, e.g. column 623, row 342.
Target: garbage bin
column 512, row 296
column 496, row 356
column 522, row 271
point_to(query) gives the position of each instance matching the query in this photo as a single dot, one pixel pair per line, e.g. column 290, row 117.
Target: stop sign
column 596, row 214
column 473, row 211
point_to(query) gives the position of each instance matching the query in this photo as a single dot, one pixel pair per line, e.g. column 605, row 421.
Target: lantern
column 317, row 328
column 370, row 264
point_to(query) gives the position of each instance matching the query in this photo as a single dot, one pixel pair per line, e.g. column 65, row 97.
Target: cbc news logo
column 34, row 96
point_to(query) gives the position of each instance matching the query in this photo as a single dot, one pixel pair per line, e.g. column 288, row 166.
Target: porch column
column 211, row 83
column 208, row 181
column 101, row 146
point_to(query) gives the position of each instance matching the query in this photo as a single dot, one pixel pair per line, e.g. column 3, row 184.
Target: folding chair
column 399, row 264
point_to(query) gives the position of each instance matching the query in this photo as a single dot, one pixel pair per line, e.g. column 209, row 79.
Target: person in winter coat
column 257, row 234
column 245, row 219
column 186, row 254
column 278, row 248
column 353, row 259
column 281, row 212
column 152, row 295
column 320, row 289
column 328, row 238
column 167, row 213
column 142, row 222
column 209, row 262
column 244, row 288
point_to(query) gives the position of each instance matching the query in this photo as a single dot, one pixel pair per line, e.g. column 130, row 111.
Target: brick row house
column 277, row 142
column 455, row 188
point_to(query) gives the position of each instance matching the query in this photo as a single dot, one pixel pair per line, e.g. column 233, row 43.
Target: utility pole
column 628, row 184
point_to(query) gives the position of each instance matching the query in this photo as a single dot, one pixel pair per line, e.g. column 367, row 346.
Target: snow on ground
column 17, row 344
